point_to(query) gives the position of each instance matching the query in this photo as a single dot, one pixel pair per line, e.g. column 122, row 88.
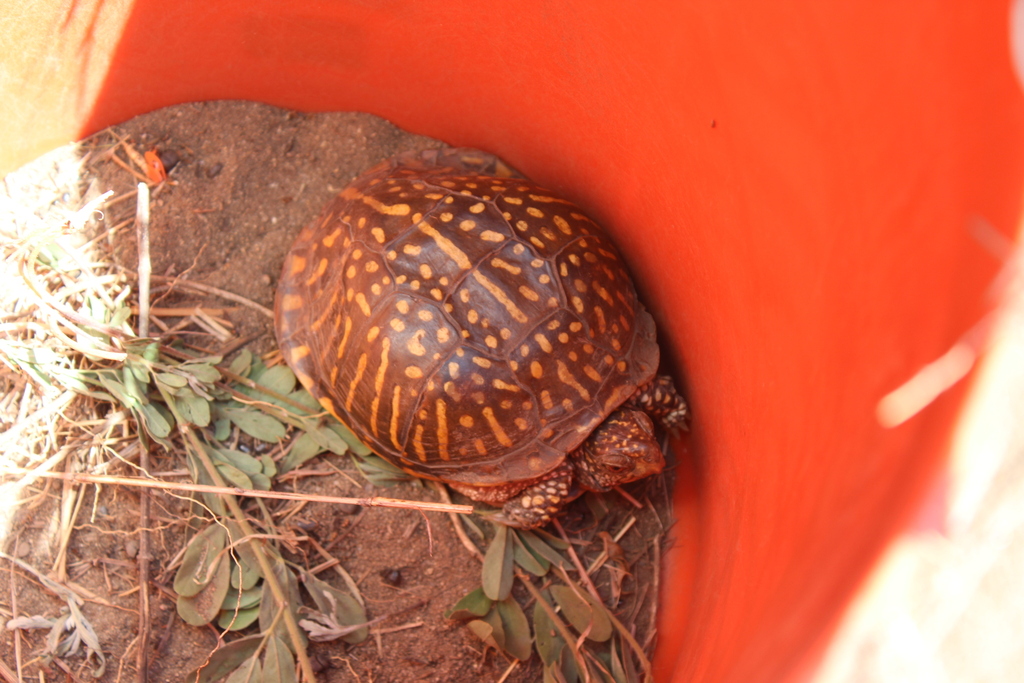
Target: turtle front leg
column 659, row 399
column 541, row 501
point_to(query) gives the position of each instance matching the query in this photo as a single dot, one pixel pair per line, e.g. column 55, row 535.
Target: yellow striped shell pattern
column 467, row 324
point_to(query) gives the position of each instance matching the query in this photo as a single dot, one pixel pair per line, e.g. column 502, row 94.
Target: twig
column 508, row 671
column 281, row 600
column 345, row 576
column 183, row 311
column 145, row 266
column 559, row 625
column 12, row 584
column 632, row 501
column 600, row 560
column 652, row 629
column 207, row 289
column 459, row 531
column 144, row 557
column 584, row 576
column 373, row 501
column 395, row 629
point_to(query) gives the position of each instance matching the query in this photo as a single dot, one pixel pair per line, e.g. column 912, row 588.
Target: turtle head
column 620, row 450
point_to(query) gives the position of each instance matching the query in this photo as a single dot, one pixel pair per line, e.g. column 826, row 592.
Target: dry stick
column 619, row 626
column 145, row 267
column 584, row 576
column 12, row 584
column 509, row 670
column 556, row 621
column 374, row 501
column 630, row 499
column 144, row 558
column 294, row 634
column 207, row 289
column 459, row 531
column 145, row 270
column 652, row 628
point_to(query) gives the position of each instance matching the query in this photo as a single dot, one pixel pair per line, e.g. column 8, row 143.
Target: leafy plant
column 573, row 632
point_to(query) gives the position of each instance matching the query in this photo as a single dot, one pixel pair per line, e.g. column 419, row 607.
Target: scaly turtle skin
column 471, row 327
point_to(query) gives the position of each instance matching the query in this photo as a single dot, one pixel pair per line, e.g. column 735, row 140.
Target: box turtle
column 472, row 327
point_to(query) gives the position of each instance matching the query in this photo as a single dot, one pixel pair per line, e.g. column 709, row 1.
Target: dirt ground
column 247, row 178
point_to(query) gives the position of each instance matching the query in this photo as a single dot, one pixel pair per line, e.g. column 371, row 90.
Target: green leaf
column 249, row 672
column 234, row 476
column 540, row 548
column 278, row 663
column 517, row 629
column 245, row 559
column 244, row 599
column 303, row 397
column 255, row 423
column 553, row 541
column 138, row 369
column 242, row 363
column 203, row 550
column 548, row 643
column 474, row 604
column 304, row 448
column 357, row 446
column 203, row 607
column 339, row 605
column 567, row 664
column 279, row 379
column 497, row 569
column 329, row 439
column 171, row 380
column 151, row 352
column 268, row 604
column 222, row 429
column 484, row 631
column 623, row 669
column 204, row 372
column 231, row 620
column 380, row 472
column 201, row 476
column 238, row 459
column 538, row 566
column 225, row 660
column 260, row 481
column 269, row 466
column 583, row 611
column 198, row 409
column 154, row 421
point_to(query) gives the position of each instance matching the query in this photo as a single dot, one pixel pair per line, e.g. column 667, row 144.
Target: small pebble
column 320, row 663
column 348, row 508
column 214, row 170
column 392, row 577
column 131, row 548
column 169, row 158
column 306, row 525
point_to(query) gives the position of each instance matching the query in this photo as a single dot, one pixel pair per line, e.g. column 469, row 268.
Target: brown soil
column 248, row 178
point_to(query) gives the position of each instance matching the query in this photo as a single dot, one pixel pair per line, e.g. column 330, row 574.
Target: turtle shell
column 467, row 324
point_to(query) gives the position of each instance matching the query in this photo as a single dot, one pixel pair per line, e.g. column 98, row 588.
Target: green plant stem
column 563, row 630
column 257, row 547
column 619, row 626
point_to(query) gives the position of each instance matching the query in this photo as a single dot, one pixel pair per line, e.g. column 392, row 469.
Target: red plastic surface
column 794, row 184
